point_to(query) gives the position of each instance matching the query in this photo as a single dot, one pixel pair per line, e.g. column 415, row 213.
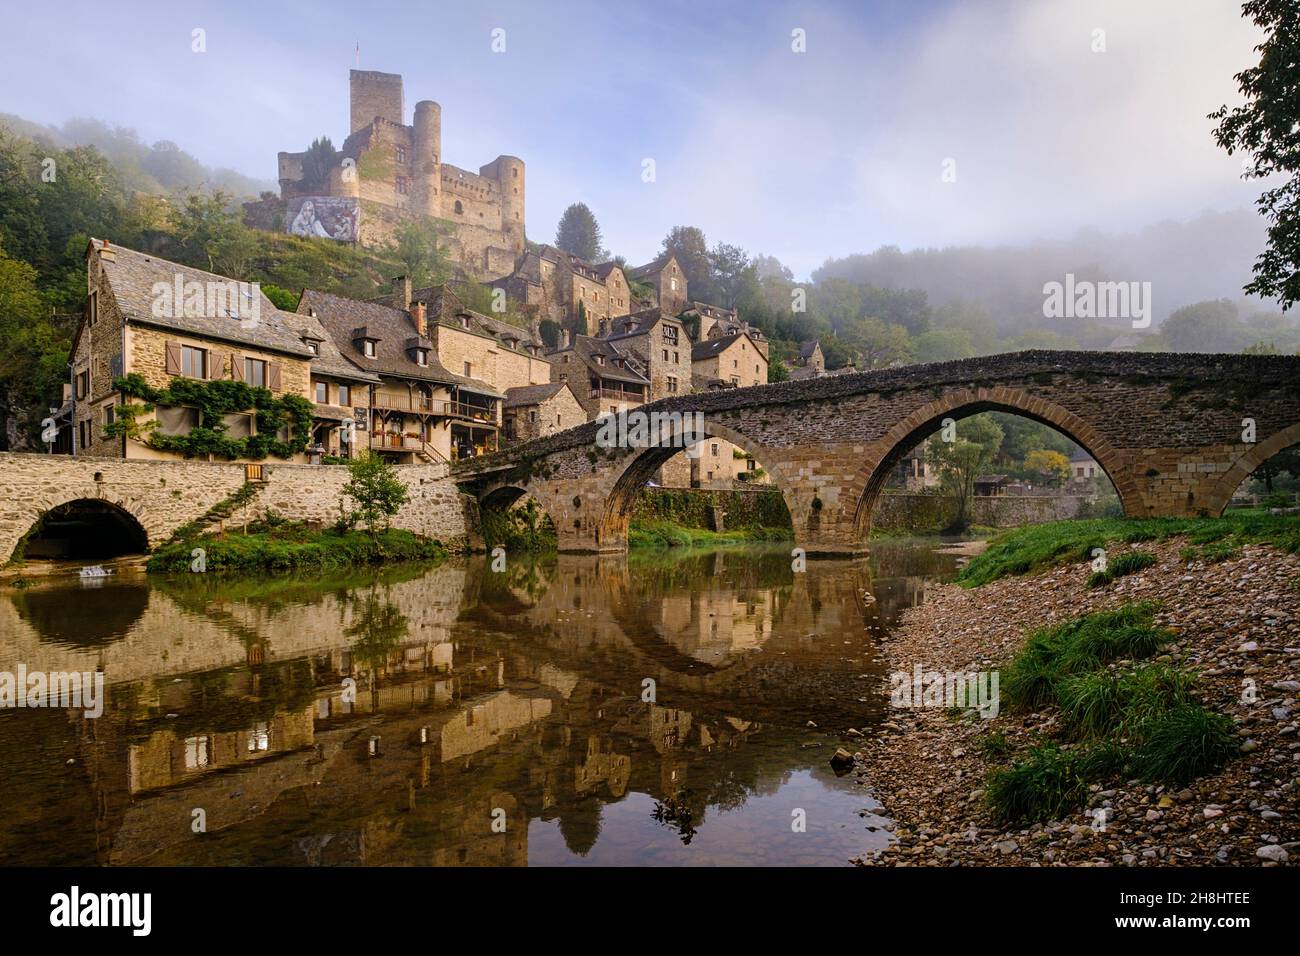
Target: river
column 665, row 708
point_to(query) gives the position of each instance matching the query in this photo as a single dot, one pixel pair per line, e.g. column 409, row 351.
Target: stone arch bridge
column 1169, row 430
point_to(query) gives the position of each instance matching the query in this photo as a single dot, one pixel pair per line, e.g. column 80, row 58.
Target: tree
column 1051, row 466
column 1210, row 326
column 962, row 460
column 378, row 492
column 579, row 234
column 417, row 246
column 943, row 345
column 318, row 160
column 777, row 372
column 876, row 343
column 690, row 247
column 1265, row 127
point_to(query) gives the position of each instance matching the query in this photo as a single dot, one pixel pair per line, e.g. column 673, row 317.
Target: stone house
column 605, row 378
column 810, row 362
column 667, row 279
column 162, row 321
column 732, row 360
column 340, row 391
column 549, row 283
column 714, row 322
column 1083, row 467
column 443, row 369
column 660, row 344
column 535, row 411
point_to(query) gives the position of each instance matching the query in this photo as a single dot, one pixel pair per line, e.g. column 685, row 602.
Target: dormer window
column 313, row 345
column 464, row 321
column 422, row 357
column 600, row 360
column 368, row 348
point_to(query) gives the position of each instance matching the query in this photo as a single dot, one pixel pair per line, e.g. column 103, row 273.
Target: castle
column 388, row 172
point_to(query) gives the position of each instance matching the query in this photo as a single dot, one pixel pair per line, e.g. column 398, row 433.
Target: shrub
column 1043, row 785
column 1120, row 566
column 1182, row 744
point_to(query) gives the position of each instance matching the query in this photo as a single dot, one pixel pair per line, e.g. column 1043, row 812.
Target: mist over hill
column 1207, row 257
column 159, row 168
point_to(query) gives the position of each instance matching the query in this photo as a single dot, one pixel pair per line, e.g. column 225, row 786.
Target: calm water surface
column 573, row 710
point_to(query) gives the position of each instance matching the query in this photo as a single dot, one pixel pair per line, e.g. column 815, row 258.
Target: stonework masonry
column 163, row 495
column 1167, row 429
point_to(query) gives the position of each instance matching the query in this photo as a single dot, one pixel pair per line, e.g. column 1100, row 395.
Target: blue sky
column 804, row 156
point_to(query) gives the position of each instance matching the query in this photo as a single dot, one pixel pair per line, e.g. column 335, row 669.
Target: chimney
column 418, row 317
column 403, row 290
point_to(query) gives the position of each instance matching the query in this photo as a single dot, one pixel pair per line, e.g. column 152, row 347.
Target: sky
column 916, row 124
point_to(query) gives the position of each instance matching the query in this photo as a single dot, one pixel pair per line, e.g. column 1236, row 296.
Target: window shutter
column 173, row 358
column 236, row 367
column 273, row 376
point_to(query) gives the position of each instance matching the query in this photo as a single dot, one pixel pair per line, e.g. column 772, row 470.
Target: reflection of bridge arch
column 883, row 454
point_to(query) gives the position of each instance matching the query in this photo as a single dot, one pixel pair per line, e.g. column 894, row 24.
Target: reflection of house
column 161, row 321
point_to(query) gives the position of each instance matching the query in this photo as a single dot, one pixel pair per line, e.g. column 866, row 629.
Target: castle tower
column 375, row 94
column 508, row 171
column 427, row 147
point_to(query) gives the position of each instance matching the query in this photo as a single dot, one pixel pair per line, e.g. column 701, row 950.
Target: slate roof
column 132, row 276
column 586, row 348
column 712, row 347
column 329, row 360
column 532, row 394
column 392, row 328
column 650, row 268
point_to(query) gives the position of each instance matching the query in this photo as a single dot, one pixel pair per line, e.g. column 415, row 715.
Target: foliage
column 1051, row 466
column 376, row 490
column 964, row 459
column 215, row 399
column 667, row 534
column 526, row 528
column 1264, row 127
column 422, row 256
column 1029, row 549
column 579, row 234
column 1120, row 566
column 293, row 546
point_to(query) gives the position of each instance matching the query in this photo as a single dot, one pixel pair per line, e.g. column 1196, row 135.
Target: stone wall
column 906, row 512
column 163, row 495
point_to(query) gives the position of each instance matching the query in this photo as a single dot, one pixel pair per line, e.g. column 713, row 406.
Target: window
column 83, row 383
column 672, row 383
column 600, row 360
column 460, row 210
column 238, row 425
column 714, row 449
column 94, row 308
column 670, row 334
column 673, row 283
column 469, row 370
column 735, row 380
column 110, row 413
column 323, row 393
column 194, row 362
column 259, row 738
column 196, row 753
column 255, row 372
column 665, row 355
column 532, row 414
column 344, row 394
column 83, row 434
column 735, row 363
column 401, row 155
column 313, row 345
column 676, row 360
column 177, row 420
column 401, row 186
column 368, row 348
column 421, row 356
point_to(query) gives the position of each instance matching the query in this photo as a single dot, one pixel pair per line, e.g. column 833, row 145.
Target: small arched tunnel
column 932, row 426
column 511, row 516
column 87, row 529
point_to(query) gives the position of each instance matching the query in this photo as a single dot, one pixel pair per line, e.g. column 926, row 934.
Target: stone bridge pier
column 1176, row 435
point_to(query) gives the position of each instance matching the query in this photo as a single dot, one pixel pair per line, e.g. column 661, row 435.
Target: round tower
column 428, row 157
column 510, row 178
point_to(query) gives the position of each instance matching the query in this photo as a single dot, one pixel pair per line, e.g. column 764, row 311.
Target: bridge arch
column 882, row 455
column 611, row 532
column 84, row 528
column 1245, row 465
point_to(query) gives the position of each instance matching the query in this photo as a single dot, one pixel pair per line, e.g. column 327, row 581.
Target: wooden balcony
column 435, row 406
column 617, row 395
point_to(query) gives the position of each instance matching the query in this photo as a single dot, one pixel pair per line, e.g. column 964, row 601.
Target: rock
column 1211, row 812
column 841, row 759
column 1248, row 646
column 1270, row 815
column 1272, row 852
column 1165, row 802
column 1007, row 847
column 1250, row 746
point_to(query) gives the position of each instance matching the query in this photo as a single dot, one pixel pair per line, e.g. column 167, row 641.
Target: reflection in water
column 657, row 709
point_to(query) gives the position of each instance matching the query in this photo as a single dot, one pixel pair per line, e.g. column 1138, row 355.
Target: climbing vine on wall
column 214, row 400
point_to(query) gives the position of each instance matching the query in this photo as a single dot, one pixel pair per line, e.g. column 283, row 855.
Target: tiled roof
column 650, row 268
column 711, row 347
column 392, row 328
column 133, row 275
column 329, row 360
column 806, row 349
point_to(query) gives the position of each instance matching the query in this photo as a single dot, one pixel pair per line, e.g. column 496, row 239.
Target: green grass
column 1040, row 546
column 1120, row 566
column 293, row 546
column 667, row 534
column 1118, row 719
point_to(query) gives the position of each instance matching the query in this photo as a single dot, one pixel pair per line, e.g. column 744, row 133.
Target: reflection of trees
column 580, row 824
column 676, row 813
column 378, row 627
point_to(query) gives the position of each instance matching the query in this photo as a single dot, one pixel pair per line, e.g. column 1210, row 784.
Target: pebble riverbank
column 1237, row 623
